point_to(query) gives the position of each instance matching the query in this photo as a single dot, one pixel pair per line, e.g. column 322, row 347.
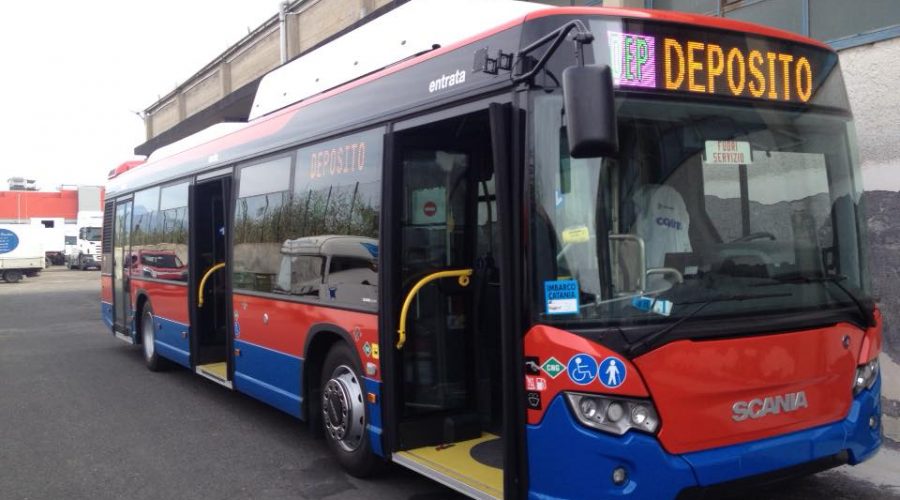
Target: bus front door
column 121, row 256
column 446, row 362
column 210, row 284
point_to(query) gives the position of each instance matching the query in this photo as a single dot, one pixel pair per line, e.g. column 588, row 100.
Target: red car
column 160, row 264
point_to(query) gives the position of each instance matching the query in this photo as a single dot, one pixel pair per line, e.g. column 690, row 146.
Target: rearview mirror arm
column 582, row 37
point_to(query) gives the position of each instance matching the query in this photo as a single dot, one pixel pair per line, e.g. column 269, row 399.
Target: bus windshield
column 707, row 210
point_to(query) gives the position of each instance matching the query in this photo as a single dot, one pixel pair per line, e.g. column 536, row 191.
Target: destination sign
column 650, row 57
column 742, row 72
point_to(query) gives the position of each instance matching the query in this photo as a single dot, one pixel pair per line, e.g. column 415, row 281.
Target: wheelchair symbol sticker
column 612, row 372
column 582, row 368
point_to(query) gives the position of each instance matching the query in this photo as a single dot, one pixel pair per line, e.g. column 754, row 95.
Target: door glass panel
column 121, row 249
column 447, row 222
column 434, row 223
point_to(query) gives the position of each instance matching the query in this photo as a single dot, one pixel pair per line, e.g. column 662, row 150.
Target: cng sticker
column 553, row 367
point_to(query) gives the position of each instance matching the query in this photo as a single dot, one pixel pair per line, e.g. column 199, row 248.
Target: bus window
column 261, row 223
column 146, row 206
column 170, row 227
column 337, row 189
column 329, row 246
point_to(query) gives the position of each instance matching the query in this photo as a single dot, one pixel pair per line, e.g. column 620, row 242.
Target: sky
column 74, row 74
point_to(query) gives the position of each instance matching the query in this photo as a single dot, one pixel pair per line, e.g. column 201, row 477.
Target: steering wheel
column 754, row 236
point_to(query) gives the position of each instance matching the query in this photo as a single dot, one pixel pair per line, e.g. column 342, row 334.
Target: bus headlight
column 865, row 376
column 613, row 415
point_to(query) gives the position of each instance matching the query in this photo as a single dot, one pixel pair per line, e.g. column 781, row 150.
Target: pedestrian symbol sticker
column 582, row 369
column 612, row 372
column 553, row 367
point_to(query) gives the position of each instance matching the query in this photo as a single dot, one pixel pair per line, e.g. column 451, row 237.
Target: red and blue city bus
column 525, row 251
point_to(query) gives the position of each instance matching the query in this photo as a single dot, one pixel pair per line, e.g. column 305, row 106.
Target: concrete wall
column 323, row 18
column 871, row 73
column 255, row 60
column 203, row 93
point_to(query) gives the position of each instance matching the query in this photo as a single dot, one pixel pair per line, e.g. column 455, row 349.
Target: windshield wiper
column 865, row 307
column 649, row 341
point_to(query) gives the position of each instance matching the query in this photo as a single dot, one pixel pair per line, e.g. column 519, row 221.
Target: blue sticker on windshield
column 650, row 304
column 561, row 297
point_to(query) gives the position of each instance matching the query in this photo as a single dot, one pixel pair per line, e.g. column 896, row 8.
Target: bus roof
column 272, row 113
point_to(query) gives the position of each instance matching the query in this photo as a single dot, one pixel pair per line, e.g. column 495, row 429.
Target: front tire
column 148, row 348
column 343, row 412
column 13, row 276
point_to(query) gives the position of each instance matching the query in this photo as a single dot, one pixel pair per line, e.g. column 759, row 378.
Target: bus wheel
column 13, row 276
column 148, row 334
column 344, row 412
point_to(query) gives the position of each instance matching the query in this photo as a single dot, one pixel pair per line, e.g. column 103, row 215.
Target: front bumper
column 568, row 460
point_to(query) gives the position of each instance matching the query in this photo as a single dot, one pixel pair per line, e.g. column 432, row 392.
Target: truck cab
column 86, row 253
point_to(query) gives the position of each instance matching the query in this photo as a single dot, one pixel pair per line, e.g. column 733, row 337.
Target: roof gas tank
column 413, row 28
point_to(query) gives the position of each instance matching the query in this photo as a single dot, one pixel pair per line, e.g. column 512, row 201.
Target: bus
column 526, row 251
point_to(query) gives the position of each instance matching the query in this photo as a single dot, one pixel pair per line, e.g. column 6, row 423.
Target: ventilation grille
column 109, row 211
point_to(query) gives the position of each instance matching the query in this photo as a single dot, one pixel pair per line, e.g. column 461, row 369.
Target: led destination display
column 674, row 59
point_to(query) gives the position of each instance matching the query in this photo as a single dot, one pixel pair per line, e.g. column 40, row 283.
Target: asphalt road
column 81, row 417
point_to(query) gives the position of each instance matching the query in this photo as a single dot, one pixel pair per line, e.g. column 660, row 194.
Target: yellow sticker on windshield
column 577, row 234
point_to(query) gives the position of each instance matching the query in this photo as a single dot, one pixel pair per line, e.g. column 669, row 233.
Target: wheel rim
column 147, row 336
column 342, row 409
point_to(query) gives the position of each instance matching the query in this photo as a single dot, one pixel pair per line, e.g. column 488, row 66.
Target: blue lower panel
column 374, row 413
column 106, row 311
column 568, row 460
column 170, row 342
column 269, row 376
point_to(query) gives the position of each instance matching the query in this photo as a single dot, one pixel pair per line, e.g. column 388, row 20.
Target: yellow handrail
column 203, row 282
column 462, row 274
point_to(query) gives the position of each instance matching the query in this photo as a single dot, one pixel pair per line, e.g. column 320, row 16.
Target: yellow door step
column 217, row 372
column 454, row 466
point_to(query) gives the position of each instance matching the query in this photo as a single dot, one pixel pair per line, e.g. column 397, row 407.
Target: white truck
column 21, row 252
column 85, row 254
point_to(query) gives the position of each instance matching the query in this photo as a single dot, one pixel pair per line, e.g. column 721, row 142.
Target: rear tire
column 148, row 333
column 344, row 414
column 12, row 276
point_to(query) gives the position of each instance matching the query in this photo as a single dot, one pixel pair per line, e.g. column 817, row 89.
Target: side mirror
column 590, row 111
